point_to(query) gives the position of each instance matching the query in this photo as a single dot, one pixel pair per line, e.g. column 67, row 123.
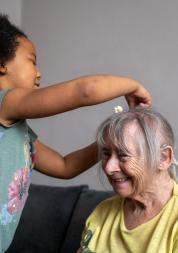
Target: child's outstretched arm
column 51, row 163
column 22, row 103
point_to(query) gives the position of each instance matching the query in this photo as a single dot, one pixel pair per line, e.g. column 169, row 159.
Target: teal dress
column 16, row 164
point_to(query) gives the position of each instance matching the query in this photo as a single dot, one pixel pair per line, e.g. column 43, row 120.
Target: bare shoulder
column 11, row 100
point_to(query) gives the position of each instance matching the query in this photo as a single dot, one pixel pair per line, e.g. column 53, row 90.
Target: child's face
column 21, row 71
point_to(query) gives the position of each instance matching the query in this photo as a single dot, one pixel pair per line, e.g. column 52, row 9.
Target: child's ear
column 3, row 69
column 166, row 157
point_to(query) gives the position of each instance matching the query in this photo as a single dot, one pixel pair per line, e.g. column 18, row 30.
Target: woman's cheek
column 136, row 172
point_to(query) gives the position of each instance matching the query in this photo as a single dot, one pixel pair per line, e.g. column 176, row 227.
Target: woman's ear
column 3, row 69
column 166, row 157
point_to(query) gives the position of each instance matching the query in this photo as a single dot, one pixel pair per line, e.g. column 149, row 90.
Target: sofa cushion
column 45, row 218
column 87, row 201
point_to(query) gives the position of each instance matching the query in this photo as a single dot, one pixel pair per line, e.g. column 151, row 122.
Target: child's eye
column 34, row 62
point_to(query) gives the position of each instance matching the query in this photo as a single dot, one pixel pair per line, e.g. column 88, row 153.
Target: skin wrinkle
column 143, row 151
column 134, row 171
column 137, row 168
column 136, row 162
column 137, row 177
column 141, row 187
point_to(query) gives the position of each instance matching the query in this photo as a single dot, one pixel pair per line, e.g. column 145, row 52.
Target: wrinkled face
column 21, row 71
column 126, row 171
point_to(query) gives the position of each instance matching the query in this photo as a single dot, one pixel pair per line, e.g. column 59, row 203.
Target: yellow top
column 105, row 230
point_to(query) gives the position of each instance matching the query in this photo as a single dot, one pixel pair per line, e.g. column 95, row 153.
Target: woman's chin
column 123, row 187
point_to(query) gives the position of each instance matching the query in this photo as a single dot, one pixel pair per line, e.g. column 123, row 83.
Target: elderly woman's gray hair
column 154, row 132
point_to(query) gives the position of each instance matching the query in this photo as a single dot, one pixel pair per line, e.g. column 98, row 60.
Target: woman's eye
column 106, row 155
column 122, row 156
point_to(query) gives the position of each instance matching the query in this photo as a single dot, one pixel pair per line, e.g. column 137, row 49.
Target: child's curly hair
column 9, row 34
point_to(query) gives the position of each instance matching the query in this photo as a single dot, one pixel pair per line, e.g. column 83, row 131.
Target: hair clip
column 118, row 109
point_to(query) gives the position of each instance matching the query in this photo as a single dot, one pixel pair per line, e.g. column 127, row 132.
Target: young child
column 20, row 99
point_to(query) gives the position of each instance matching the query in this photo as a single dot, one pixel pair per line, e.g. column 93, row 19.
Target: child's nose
column 38, row 75
column 112, row 165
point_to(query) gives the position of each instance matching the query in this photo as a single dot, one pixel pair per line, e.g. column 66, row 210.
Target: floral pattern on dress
column 17, row 195
column 18, row 190
column 86, row 239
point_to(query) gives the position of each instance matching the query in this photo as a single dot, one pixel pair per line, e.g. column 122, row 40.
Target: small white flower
column 118, row 109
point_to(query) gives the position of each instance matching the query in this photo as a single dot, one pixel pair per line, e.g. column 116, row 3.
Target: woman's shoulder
column 175, row 189
column 110, row 202
column 106, row 208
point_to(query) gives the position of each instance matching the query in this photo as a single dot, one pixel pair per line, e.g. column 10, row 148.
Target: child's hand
column 139, row 97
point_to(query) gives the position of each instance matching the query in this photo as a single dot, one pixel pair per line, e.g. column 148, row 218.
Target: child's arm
column 53, row 164
column 21, row 103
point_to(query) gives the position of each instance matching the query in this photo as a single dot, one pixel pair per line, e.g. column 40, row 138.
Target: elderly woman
column 137, row 154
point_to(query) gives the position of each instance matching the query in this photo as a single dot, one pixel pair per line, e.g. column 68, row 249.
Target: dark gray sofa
column 53, row 219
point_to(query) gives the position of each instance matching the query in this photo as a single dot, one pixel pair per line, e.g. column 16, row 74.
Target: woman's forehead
column 128, row 140
column 130, row 132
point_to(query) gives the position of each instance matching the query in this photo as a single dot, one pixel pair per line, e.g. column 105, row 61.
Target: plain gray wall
column 13, row 8
column 124, row 37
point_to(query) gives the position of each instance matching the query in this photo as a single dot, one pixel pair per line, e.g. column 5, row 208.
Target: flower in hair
column 118, row 109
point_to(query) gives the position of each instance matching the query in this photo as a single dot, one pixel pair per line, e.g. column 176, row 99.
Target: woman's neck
column 143, row 207
column 157, row 194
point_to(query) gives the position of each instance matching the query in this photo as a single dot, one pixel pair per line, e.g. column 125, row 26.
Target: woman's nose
column 112, row 165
